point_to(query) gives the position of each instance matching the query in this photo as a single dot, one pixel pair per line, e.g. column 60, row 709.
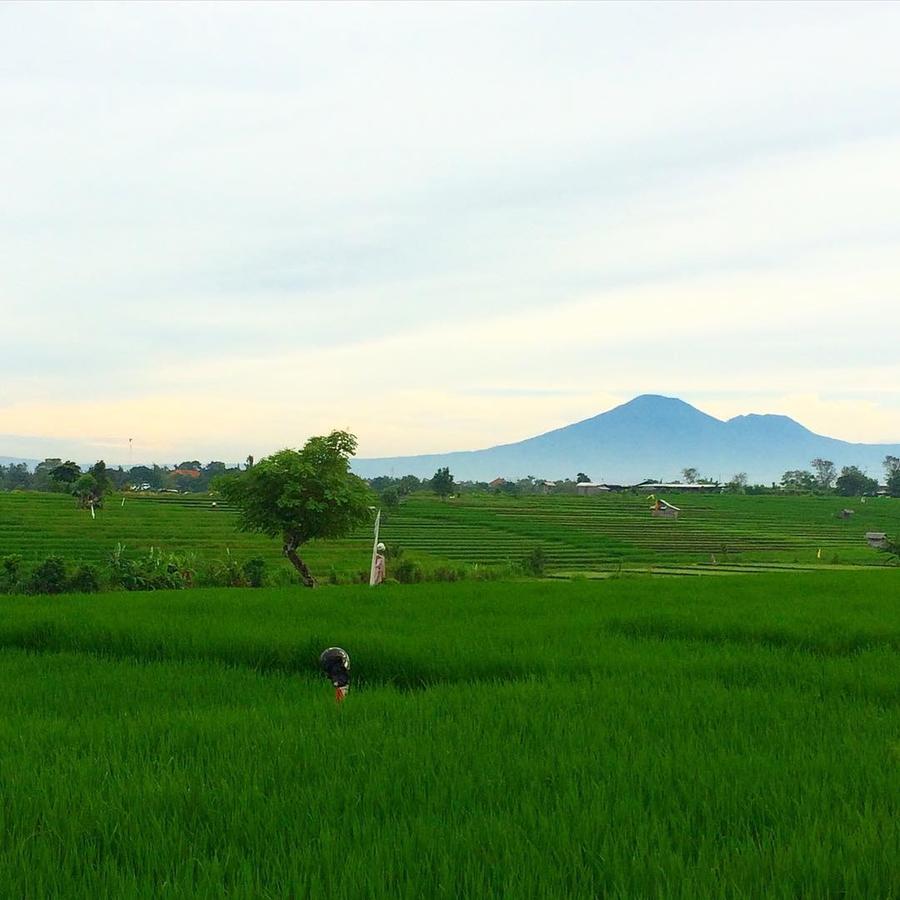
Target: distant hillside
column 15, row 460
column 650, row 436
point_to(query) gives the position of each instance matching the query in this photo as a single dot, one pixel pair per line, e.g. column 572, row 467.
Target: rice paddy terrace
column 714, row 533
column 593, row 536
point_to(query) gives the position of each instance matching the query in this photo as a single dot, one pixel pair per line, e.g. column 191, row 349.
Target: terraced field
column 714, row 533
column 593, row 536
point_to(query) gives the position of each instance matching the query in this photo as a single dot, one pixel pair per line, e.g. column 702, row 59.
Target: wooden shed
column 589, row 487
column 877, row 539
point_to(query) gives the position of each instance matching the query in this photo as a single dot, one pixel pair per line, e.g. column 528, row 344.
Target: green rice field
column 621, row 738
column 597, row 535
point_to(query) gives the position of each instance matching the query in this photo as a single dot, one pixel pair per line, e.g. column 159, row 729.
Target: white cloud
column 230, row 226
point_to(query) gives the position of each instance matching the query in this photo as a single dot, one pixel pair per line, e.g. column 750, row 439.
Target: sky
column 226, row 227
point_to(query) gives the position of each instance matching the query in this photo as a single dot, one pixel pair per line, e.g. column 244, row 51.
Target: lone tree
column 66, row 473
column 854, row 483
column 690, row 475
column 892, row 474
column 442, row 482
column 299, row 495
column 798, row 480
column 826, row 473
column 581, row 478
column 86, row 491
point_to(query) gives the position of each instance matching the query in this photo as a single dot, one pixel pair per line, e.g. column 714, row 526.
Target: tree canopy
column 892, row 474
column 299, row 495
column 442, row 482
column 854, row 483
column 826, row 473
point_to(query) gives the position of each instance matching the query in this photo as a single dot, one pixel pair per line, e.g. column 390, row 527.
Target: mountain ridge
column 649, row 436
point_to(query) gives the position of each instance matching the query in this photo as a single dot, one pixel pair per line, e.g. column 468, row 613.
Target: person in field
column 379, row 564
column 335, row 663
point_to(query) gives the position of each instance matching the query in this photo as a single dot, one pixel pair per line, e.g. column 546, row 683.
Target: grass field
column 624, row 738
column 589, row 535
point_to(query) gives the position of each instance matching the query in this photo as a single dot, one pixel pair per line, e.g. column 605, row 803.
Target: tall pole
column 374, row 549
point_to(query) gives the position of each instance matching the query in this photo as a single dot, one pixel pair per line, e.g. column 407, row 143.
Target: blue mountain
column 648, row 437
column 15, row 460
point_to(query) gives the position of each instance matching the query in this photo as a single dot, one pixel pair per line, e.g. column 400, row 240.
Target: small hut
column 664, row 510
column 877, row 539
column 585, row 488
column 845, row 514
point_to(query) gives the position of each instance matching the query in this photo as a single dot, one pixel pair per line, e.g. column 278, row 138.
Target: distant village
column 191, row 476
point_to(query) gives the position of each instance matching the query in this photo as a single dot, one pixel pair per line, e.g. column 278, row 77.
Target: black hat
column 335, row 663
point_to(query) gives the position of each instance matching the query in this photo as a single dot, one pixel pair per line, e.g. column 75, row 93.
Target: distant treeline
column 191, row 476
column 64, row 477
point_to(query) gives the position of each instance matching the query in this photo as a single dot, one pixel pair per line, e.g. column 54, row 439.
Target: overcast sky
column 226, row 227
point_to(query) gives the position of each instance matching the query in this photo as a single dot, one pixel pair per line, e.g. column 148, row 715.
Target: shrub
column 892, row 548
column 228, row 572
column 48, row 578
column 153, row 572
column 445, row 573
column 254, row 571
column 10, row 572
column 536, row 561
column 86, row 580
column 408, row 572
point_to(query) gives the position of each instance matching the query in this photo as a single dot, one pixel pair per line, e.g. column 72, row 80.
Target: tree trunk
column 290, row 551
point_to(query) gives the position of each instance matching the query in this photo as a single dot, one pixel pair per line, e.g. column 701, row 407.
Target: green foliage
column 536, row 561
column 66, row 473
column 10, row 572
column 408, row 483
column 892, row 549
column 101, row 476
column 85, row 487
column 48, row 578
column 299, row 495
column 826, row 473
column 254, row 571
column 42, row 479
column 154, row 571
column 854, row 483
column 442, row 482
column 228, row 572
column 407, row 572
column 390, row 498
column 86, row 580
column 893, row 483
column 798, row 480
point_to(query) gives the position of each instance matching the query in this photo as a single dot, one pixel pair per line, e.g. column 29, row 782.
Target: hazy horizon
column 227, row 227
column 52, row 447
